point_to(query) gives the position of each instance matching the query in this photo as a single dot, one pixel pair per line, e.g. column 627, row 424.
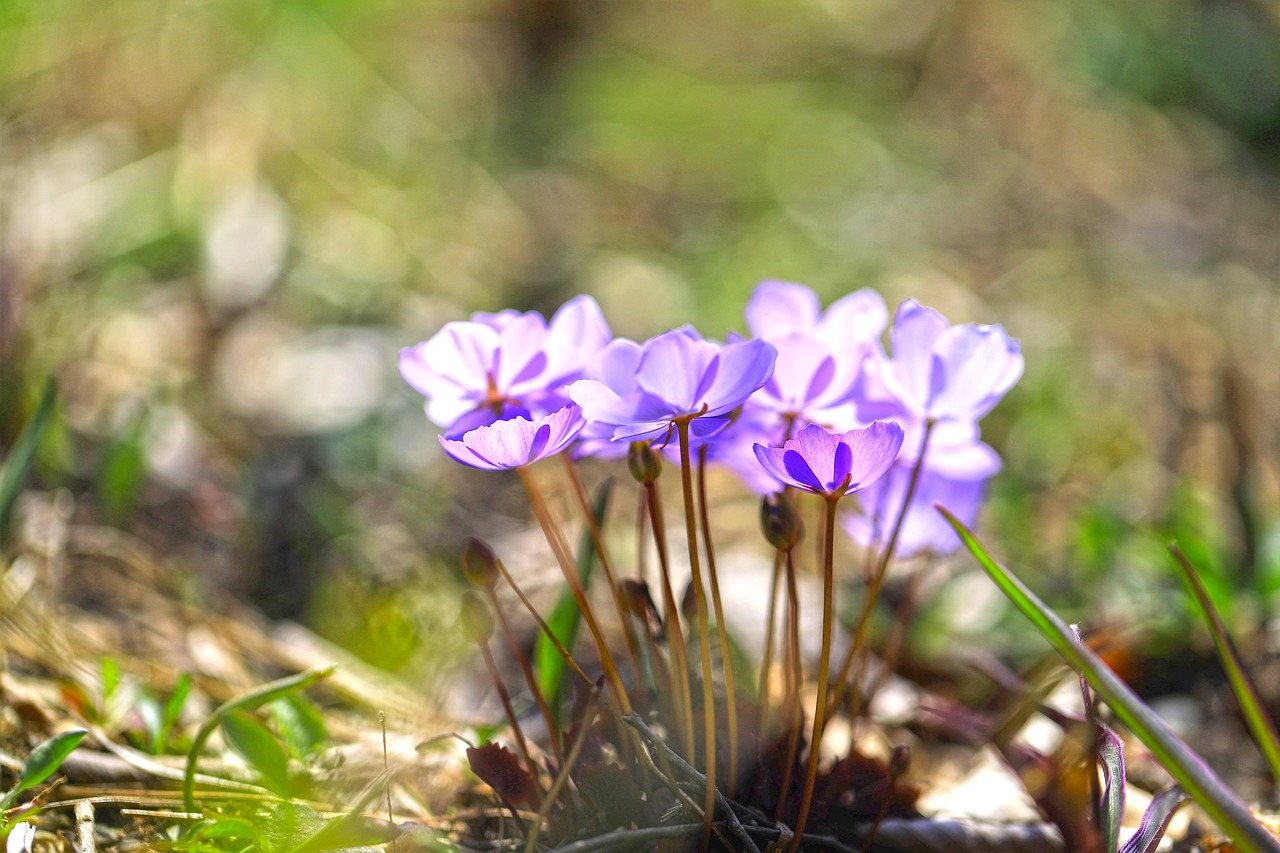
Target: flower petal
column 780, row 307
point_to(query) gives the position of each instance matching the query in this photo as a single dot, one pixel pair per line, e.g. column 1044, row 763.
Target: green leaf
column 252, row 700
column 565, row 618
column 23, row 453
column 1251, row 704
column 350, row 830
column 1217, row 800
column 110, row 681
column 301, row 725
column 255, row 743
column 43, row 762
column 172, row 711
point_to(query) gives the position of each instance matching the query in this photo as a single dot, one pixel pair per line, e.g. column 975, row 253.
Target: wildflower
column 516, row 442
column 942, row 372
column 819, row 355
column 833, row 464
column 676, row 375
column 504, row 365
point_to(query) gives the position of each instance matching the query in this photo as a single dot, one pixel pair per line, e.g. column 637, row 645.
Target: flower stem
column 766, row 662
column 606, row 561
column 824, row 664
column 521, row 658
column 671, row 616
column 521, row 744
column 726, row 656
column 860, row 628
column 552, row 532
column 704, row 627
column 794, row 679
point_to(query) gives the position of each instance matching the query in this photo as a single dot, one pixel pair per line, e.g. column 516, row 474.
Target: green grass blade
column 250, row 701
column 23, row 454
column 1255, row 712
column 43, row 762
column 1219, row 802
column 565, row 618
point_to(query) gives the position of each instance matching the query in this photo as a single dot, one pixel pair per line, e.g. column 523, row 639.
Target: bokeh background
column 220, row 219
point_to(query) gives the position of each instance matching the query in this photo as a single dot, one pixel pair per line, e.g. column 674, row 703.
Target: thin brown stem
column 526, row 668
column 606, row 561
column 671, row 620
column 556, row 541
column 824, row 664
column 795, row 679
column 863, row 623
column 516, row 732
column 726, row 655
column 704, row 627
column 766, row 662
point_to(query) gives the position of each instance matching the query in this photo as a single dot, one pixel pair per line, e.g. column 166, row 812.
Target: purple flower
column 517, row 441
column 833, row 464
column 779, row 308
column 955, row 476
column 819, row 356
column 944, row 372
column 498, row 366
column 672, row 376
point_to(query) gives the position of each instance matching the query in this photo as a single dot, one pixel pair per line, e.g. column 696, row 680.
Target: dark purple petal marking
column 842, row 465
column 540, row 439
column 535, row 366
column 801, row 473
column 821, row 379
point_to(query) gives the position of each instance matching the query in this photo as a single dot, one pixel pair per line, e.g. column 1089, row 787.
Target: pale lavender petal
column 673, row 367
column 974, row 367
column 817, row 447
column 874, row 450
column 515, row 442
column 740, row 369
column 575, row 335
column 805, row 375
column 617, row 364
column 777, row 308
column 859, row 317
column 772, row 459
column 915, row 329
column 521, row 344
column 599, row 402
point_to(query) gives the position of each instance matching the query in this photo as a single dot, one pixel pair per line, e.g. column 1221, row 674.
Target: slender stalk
column 671, row 618
column 606, row 561
column 517, row 733
column 523, row 660
column 795, row 678
column 844, row 680
column 726, row 656
column 824, row 665
column 766, row 662
column 554, row 539
column 704, row 627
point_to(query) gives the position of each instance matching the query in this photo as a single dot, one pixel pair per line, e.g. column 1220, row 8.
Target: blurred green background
column 220, row 219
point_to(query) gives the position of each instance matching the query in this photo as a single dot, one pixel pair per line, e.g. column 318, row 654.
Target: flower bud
column 643, row 462
column 899, row 760
column 474, row 617
column 479, row 563
column 780, row 522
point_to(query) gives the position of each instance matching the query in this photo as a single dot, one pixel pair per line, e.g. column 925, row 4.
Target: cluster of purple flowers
column 810, row 400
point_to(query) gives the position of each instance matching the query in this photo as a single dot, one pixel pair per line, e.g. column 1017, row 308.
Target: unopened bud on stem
column 643, row 462
column 479, row 563
column 780, row 522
